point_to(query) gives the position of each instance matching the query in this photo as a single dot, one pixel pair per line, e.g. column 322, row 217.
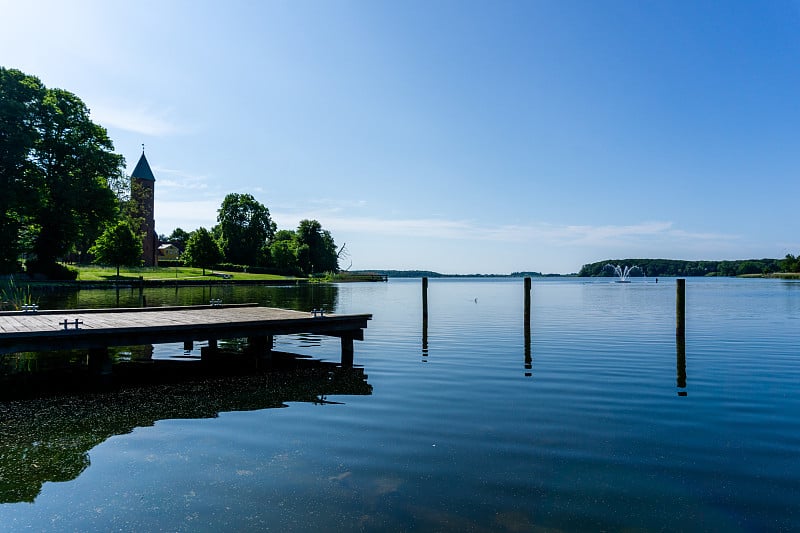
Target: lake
column 602, row 422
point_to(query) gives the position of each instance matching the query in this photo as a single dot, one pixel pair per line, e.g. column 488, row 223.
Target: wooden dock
column 98, row 329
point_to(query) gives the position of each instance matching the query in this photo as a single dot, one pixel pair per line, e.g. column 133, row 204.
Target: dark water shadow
column 48, row 438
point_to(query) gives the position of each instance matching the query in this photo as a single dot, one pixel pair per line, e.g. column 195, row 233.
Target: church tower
column 143, row 185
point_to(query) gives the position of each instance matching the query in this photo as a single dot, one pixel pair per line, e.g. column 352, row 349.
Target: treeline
column 431, row 274
column 246, row 239
column 674, row 267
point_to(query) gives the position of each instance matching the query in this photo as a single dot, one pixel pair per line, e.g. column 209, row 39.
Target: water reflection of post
column 680, row 343
column 527, row 325
column 424, row 318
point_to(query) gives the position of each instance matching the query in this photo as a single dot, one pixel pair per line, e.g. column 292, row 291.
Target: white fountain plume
column 623, row 272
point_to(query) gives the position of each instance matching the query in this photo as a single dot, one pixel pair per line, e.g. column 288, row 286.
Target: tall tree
column 283, row 252
column 316, row 249
column 55, row 164
column 20, row 98
column 73, row 160
column 201, row 250
column 244, row 229
column 119, row 245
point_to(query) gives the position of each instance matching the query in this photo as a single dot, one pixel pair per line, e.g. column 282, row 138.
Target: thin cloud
column 180, row 179
column 137, row 120
column 559, row 235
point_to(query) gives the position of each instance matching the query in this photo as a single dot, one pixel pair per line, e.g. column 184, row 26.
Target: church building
column 143, row 184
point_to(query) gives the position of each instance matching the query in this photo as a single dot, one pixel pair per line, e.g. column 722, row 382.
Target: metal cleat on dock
column 215, row 302
column 29, row 308
column 318, row 313
column 66, row 323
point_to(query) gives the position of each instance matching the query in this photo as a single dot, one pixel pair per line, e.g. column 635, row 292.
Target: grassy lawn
column 98, row 273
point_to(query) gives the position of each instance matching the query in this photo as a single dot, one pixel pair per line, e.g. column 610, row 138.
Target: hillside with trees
column 673, row 267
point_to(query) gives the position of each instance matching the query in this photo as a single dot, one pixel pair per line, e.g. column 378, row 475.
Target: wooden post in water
column 424, row 317
column 528, row 304
column 680, row 308
column 527, row 326
column 425, row 300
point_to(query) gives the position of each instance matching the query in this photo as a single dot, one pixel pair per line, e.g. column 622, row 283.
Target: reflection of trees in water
column 48, row 439
column 300, row 297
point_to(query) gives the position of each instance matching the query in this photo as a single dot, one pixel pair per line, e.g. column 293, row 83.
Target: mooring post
column 425, row 300
column 527, row 326
column 424, row 317
column 680, row 308
column 527, row 305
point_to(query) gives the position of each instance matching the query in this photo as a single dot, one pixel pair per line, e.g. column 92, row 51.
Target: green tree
column 283, row 251
column 245, row 230
column 202, row 250
column 790, row 264
column 74, row 159
column 119, row 245
column 179, row 238
column 749, row 267
column 316, row 250
column 20, row 97
column 55, row 167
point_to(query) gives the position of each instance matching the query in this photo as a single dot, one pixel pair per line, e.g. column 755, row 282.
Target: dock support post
column 527, row 326
column 188, row 346
column 347, row 351
column 680, row 308
column 100, row 365
column 261, row 345
column 209, row 353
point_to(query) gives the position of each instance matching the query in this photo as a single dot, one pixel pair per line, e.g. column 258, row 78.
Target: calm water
column 603, row 423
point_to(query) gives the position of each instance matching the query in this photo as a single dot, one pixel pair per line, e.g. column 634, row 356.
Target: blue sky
column 453, row 136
